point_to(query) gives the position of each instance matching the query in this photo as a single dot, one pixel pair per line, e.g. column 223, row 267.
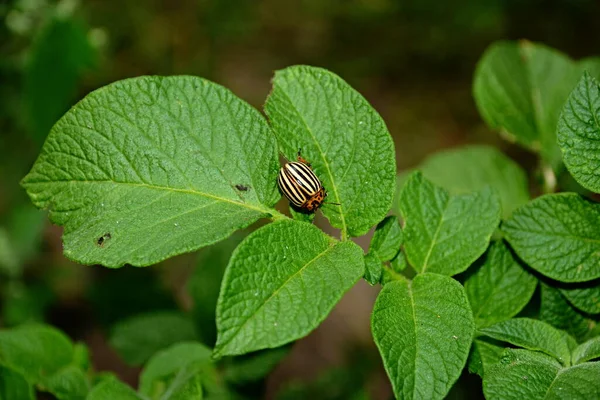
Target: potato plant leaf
column 579, row 133
column 387, row 238
column 344, row 139
column 147, row 168
column 442, row 233
column 533, row 335
column 281, row 282
column 471, row 168
column 520, row 88
column 423, row 330
column 524, row 374
column 500, row 288
column 558, row 235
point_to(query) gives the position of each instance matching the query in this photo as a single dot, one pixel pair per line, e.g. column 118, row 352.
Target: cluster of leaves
column 151, row 167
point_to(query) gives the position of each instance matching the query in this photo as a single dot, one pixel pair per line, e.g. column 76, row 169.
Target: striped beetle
column 300, row 185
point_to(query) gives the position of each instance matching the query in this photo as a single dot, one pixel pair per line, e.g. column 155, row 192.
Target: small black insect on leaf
column 241, row 188
column 101, row 241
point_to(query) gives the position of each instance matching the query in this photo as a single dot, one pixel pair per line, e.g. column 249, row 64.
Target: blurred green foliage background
column 412, row 59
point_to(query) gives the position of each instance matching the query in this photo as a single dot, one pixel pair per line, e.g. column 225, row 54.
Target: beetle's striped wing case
column 298, row 183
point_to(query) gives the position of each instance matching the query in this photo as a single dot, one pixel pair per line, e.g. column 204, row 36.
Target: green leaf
column 112, row 388
column 484, row 354
column 579, row 133
column 521, row 374
column 584, row 296
column 520, row 88
column 533, row 335
column 528, row 375
column 35, row 351
column 373, row 268
column 500, row 288
column 387, row 238
column 59, row 57
column 281, row 282
column 13, row 386
column 344, row 139
column 442, row 233
column 399, row 263
column 70, row 383
column 302, row 216
column 164, row 366
column 587, row 351
column 558, row 235
column 137, row 338
column 555, row 310
column 423, row 330
column 471, row 168
column 146, row 168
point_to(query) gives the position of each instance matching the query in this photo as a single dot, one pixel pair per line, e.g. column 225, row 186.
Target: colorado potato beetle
column 300, row 185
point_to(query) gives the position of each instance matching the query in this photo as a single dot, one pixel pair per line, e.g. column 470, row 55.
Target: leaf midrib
column 263, row 210
column 322, row 154
column 330, row 247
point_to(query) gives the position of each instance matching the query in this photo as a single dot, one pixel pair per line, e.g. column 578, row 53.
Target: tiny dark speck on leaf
column 241, row 188
column 101, row 241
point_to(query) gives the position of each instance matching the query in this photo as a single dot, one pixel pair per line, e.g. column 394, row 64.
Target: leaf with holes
column 579, row 133
column 343, row 137
column 281, row 282
column 147, row 168
column 423, row 330
column 520, row 88
column 470, row 168
column 500, row 288
column 558, row 235
column 443, row 233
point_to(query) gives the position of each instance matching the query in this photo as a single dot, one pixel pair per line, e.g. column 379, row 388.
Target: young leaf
column 442, row 233
column 520, row 88
column 556, row 310
column 35, row 351
column 112, row 388
column 579, row 133
column 587, row 351
column 146, row 168
column 137, row 338
column 533, row 335
column 585, row 297
column 521, row 374
column 13, row 385
column 343, row 137
column 387, row 238
column 423, row 330
column 500, row 288
column 281, row 282
column 165, row 365
column 373, row 268
column 558, row 235
column 471, row 168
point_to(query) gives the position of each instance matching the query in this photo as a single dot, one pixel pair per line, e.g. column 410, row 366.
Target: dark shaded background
column 413, row 60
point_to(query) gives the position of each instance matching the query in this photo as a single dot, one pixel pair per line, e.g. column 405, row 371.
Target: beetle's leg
column 301, row 159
